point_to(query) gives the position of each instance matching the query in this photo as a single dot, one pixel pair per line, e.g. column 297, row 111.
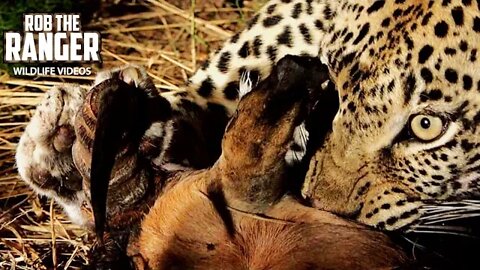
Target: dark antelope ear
column 122, row 118
column 258, row 136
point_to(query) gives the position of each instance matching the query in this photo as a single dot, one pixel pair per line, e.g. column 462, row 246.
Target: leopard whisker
column 449, row 211
column 452, row 218
column 414, row 245
column 449, row 205
column 463, row 213
column 442, row 230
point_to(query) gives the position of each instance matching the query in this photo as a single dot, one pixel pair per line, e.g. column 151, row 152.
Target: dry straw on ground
column 170, row 38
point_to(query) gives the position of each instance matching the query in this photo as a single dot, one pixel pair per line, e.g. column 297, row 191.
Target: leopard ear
column 121, row 119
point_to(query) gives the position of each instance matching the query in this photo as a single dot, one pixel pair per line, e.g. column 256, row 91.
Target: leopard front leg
column 44, row 152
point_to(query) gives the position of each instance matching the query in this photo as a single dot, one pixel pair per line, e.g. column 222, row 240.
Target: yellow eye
column 426, row 127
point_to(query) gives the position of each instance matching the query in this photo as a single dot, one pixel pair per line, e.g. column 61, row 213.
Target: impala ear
column 121, row 118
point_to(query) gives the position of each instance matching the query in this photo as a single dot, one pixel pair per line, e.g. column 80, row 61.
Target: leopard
column 404, row 136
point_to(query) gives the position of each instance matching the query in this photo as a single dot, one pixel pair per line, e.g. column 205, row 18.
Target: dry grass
column 169, row 41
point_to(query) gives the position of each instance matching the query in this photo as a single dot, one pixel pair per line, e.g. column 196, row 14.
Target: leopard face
column 406, row 133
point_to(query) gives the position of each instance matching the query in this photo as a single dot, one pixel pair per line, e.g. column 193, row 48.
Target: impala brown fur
column 184, row 230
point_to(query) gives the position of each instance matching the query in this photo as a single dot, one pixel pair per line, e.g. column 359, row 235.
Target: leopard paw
column 44, row 152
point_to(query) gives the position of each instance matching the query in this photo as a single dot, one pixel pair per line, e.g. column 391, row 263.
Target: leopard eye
column 426, row 127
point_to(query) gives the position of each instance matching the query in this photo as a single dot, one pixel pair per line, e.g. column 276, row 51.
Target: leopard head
column 406, row 134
